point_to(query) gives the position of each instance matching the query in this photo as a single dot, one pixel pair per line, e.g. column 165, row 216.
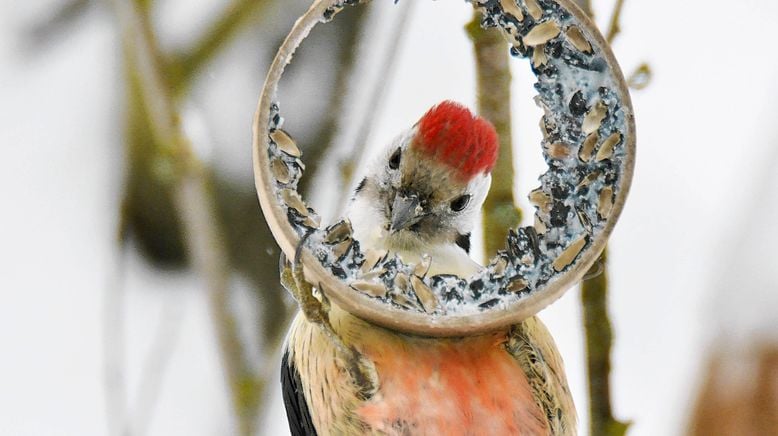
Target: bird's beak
column 406, row 211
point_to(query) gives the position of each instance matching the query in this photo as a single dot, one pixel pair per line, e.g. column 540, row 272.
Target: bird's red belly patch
column 450, row 387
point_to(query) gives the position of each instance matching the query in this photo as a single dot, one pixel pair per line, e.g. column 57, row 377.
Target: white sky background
column 706, row 126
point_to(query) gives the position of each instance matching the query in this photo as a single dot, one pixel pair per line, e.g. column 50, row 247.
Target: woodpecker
column 420, row 198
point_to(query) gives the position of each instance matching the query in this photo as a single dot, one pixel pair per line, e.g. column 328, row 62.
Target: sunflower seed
column 341, row 248
column 500, row 266
column 293, row 200
column 312, row 221
column 427, row 298
column 584, row 219
column 373, row 289
column 576, row 37
column 534, row 9
column 285, row 143
column 372, row 258
column 280, row 171
column 569, row 254
column 423, row 267
column 401, row 281
column 542, row 33
column 587, row 148
column 403, row 301
column 338, row 232
column 510, row 7
column 607, row 146
column 516, row 285
column 589, row 179
column 606, row 202
column 540, row 226
column 559, row 150
column 594, row 117
column 540, row 199
column 539, row 57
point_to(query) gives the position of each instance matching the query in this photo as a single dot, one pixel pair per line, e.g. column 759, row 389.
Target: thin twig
column 599, row 339
column 62, row 19
column 615, row 27
column 235, row 17
column 193, row 202
column 493, row 75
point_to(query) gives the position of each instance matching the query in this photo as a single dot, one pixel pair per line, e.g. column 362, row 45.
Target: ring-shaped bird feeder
column 588, row 143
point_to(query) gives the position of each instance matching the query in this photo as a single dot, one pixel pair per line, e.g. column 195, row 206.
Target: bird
column 419, row 198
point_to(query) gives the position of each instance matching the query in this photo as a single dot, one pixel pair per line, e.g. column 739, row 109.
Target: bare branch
column 194, row 204
column 235, row 17
column 63, row 19
column 614, row 27
column 494, row 83
column 599, row 339
column 641, row 77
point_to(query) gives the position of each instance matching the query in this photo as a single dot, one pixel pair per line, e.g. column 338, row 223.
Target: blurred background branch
column 598, row 329
column 493, row 86
column 193, row 202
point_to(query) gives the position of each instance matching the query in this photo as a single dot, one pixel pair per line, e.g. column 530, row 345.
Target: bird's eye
column 394, row 161
column 459, row 203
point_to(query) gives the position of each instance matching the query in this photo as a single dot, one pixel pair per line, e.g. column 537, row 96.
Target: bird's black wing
column 300, row 422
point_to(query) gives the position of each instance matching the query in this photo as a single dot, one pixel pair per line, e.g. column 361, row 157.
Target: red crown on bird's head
column 449, row 133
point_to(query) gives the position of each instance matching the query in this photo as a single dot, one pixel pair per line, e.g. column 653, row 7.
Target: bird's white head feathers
column 424, row 190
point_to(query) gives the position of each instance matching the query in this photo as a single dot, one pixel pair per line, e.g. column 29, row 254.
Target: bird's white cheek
column 367, row 221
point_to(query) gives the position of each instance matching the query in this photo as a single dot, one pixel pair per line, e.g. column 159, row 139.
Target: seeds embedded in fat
column 280, row 171
column 542, row 33
column 569, row 254
column 293, row 200
column 510, row 7
column 576, row 37
column 606, row 202
column 594, row 117
column 587, row 148
column 338, row 232
column 607, row 146
column 517, row 284
column 534, row 9
column 559, row 150
column 500, row 266
column 539, row 57
column 540, row 199
column 285, row 143
column 372, row 257
column 427, row 298
column 422, row 267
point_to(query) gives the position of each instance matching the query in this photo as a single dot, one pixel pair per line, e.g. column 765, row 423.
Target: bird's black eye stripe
column 394, row 161
column 459, row 203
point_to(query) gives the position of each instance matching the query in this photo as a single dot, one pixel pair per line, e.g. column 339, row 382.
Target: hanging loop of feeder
column 588, row 143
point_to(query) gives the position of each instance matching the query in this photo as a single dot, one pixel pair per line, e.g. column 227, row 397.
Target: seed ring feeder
column 588, row 143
